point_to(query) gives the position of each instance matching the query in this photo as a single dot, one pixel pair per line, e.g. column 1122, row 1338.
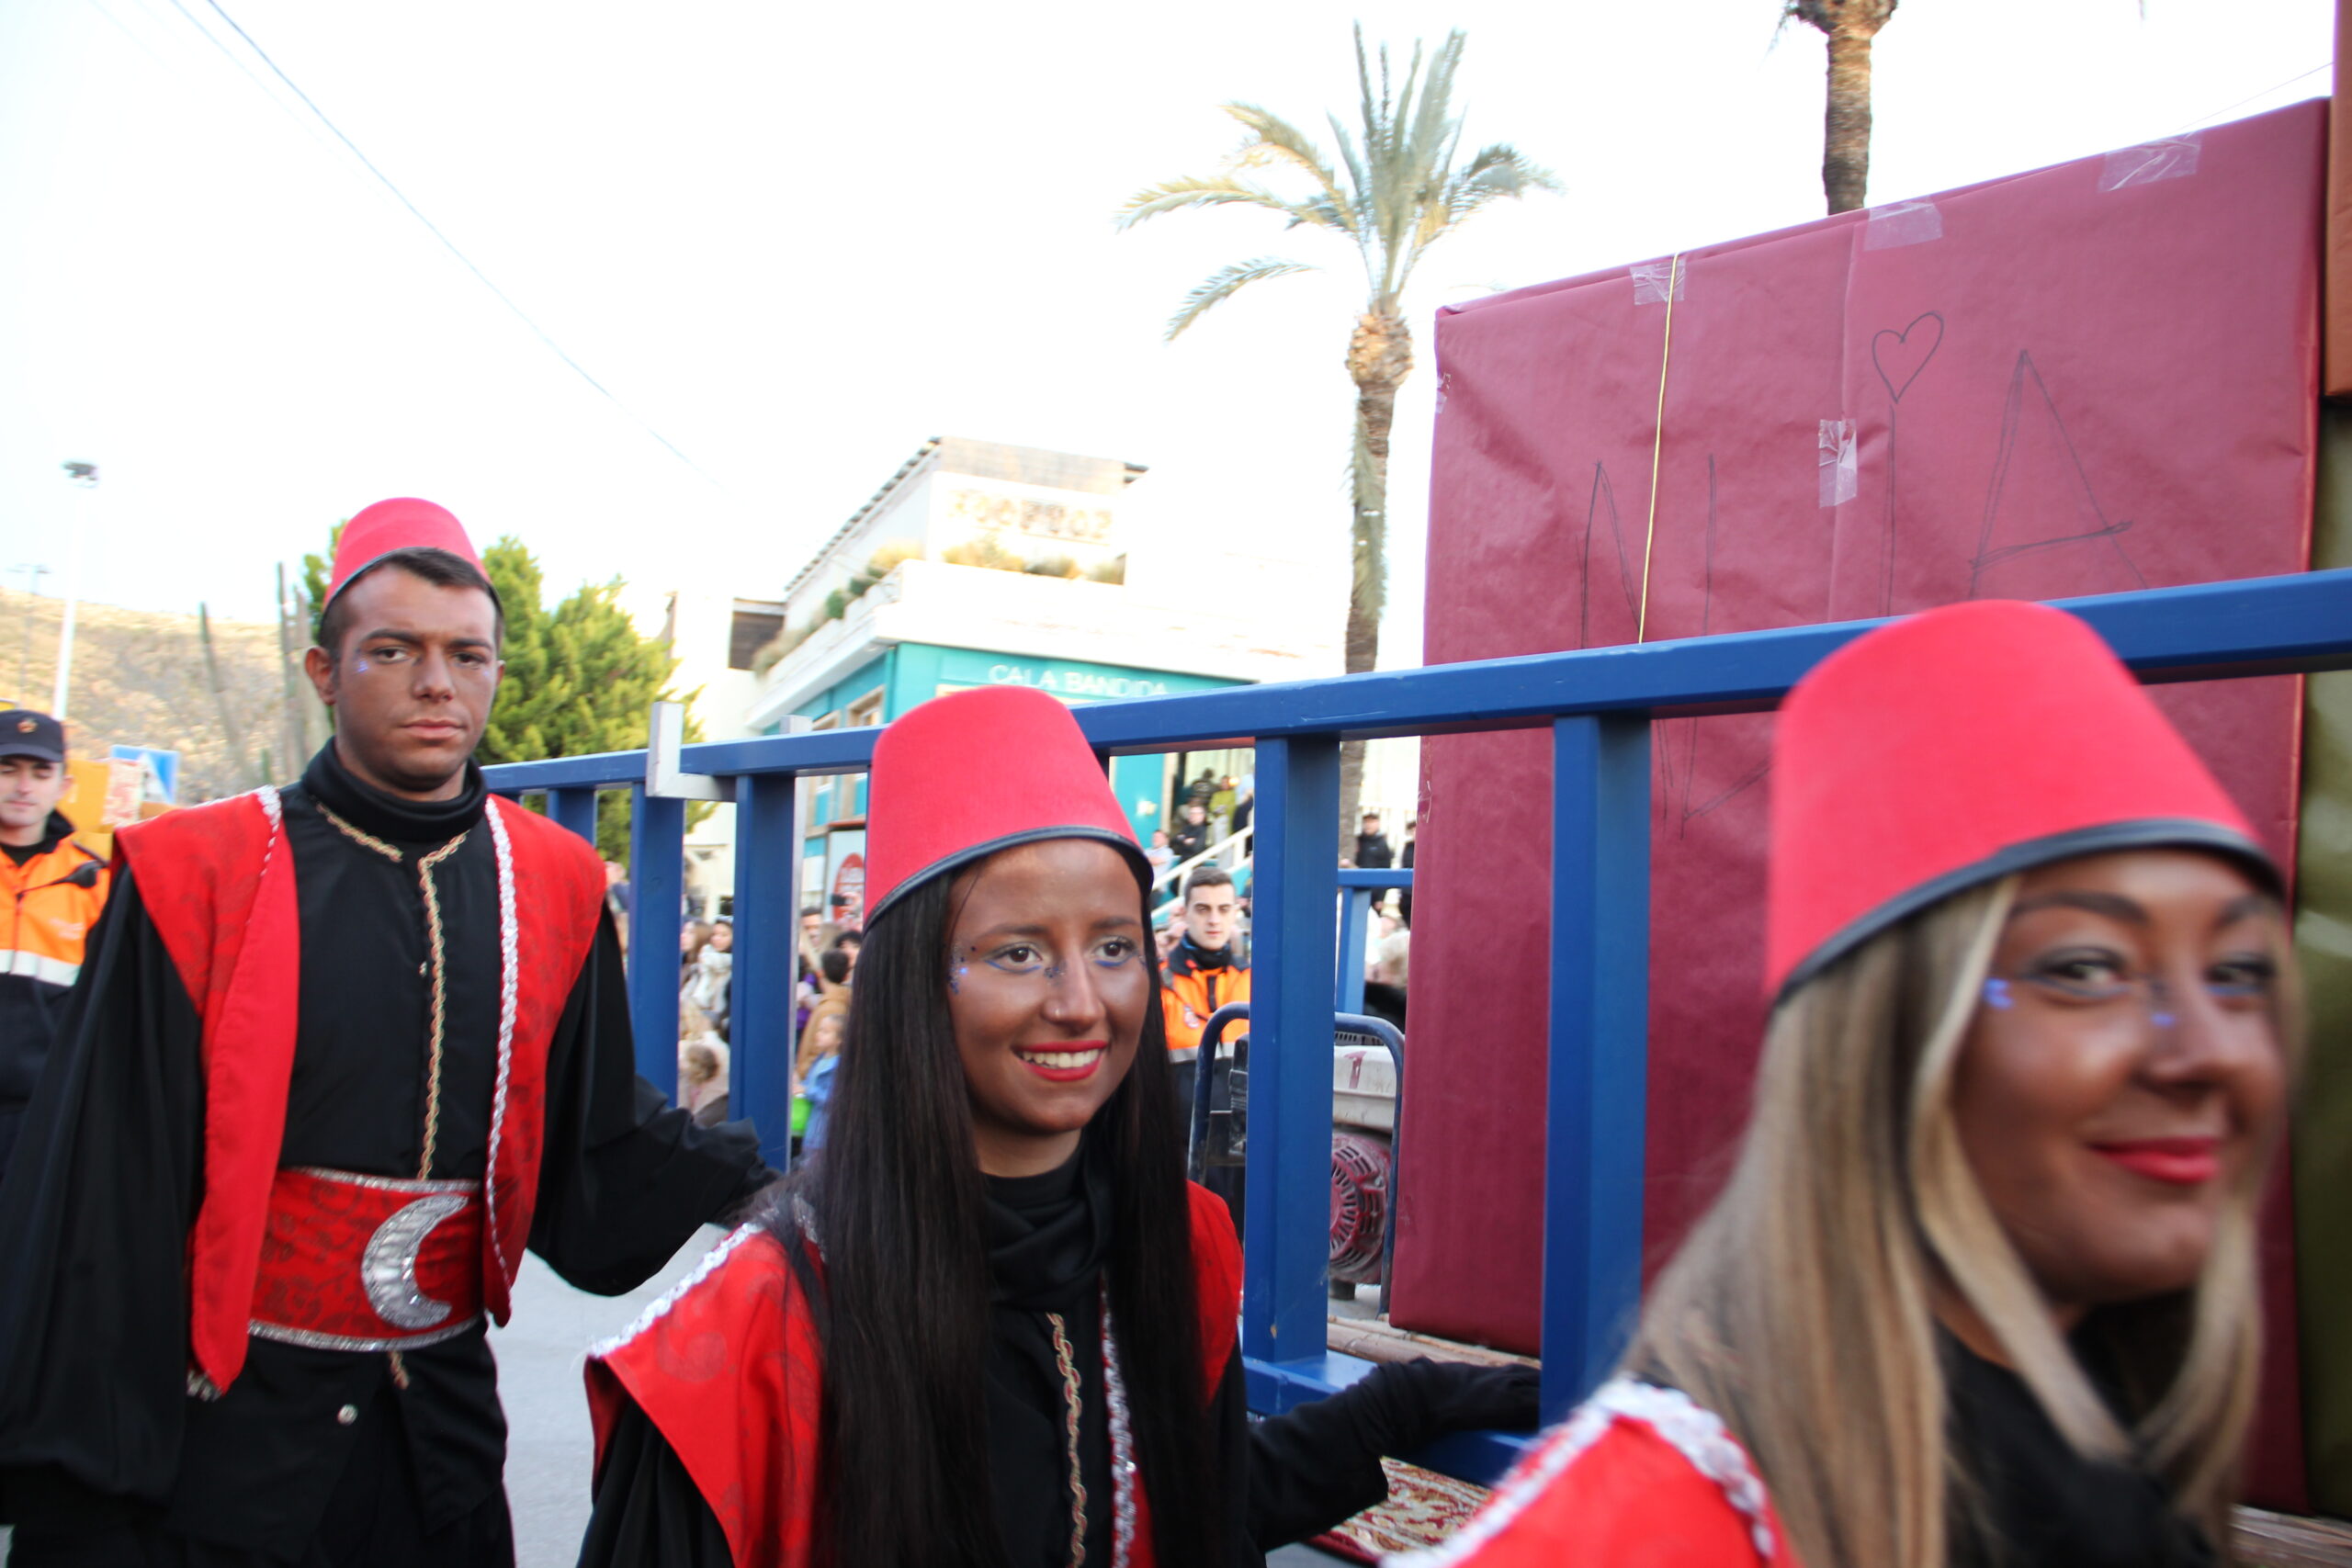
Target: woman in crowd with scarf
column 991, row 1324
column 1981, row 1288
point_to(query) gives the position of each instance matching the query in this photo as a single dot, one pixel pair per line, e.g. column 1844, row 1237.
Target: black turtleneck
column 330, row 781
column 2032, row 1501
column 360, row 1064
column 1048, row 1236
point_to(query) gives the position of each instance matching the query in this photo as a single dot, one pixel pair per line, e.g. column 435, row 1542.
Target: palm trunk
column 1845, row 139
column 1379, row 355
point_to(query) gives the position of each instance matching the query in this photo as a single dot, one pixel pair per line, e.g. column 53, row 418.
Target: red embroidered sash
column 352, row 1262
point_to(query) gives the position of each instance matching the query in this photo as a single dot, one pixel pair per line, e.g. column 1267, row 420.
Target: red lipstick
column 2180, row 1162
column 1070, row 1061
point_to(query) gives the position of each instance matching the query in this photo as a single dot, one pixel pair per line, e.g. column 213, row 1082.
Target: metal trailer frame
column 1598, row 703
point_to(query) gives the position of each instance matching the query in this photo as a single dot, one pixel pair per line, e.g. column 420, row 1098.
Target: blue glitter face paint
column 1054, row 972
column 1996, row 993
column 957, row 969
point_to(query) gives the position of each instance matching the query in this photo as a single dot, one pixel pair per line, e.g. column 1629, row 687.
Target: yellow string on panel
column 1658, row 442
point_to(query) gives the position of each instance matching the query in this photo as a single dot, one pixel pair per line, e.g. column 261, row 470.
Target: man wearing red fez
column 341, row 1052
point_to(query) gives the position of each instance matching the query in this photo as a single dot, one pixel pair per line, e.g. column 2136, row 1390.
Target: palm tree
column 1849, row 26
column 1396, row 192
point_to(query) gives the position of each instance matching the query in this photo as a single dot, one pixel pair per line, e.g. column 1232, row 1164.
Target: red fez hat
column 965, row 775
column 1954, row 748
column 402, row 525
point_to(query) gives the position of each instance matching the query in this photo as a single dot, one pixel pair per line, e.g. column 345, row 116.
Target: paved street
column 539, row 1354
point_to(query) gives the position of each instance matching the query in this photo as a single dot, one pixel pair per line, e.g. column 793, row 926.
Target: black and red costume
column 337, row 1059
column 708, row 1408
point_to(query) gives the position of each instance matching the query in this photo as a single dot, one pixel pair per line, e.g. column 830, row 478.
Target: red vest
column 218, row 882
column 728, row 1368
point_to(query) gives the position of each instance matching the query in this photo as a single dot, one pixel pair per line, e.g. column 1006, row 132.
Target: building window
column 866, row 711
column 751, row 631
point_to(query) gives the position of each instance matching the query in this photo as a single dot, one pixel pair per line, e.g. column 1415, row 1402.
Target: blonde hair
column 1801, row 1307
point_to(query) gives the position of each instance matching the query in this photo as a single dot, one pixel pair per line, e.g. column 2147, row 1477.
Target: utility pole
column 33, row 572
column 84, row 477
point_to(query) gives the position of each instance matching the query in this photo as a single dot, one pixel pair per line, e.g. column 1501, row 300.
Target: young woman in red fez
column 1981, row 1289
column 993, row 1325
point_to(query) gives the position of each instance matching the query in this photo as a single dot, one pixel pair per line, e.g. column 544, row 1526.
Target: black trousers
column 372, row 1522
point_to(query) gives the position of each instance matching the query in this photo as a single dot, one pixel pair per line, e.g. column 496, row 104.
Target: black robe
column 97, row 1428
column 1300, row 1473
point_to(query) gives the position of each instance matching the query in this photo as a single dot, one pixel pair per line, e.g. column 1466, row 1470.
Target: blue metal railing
column 1599, row 703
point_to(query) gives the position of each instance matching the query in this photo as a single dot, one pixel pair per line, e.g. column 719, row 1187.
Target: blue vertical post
column 657, row 885
column 766, row 938
column 1284, row 1300
column 1599, row 1025
column 575, row 809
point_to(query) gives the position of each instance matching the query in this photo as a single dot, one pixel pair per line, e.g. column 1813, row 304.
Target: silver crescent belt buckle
column 387, row 1266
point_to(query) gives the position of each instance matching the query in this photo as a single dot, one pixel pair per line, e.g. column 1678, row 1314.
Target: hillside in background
column 141, row 679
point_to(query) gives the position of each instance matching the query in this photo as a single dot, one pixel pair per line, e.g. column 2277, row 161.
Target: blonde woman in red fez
column 1981, row 1288
column 342, row 1052
column 993, row 1324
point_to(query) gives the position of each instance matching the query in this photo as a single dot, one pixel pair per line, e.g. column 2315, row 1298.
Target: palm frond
column 1216, row 190
column 1358, row 173
column 1396, row 181
column 1225, row 283
column 1496, row 171
column 1275, row 139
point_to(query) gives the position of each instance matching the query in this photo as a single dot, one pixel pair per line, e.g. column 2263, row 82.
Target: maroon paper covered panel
column 2097, row 376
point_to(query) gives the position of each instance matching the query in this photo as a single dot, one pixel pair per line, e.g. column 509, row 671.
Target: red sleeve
column 1607, row 1489
column 728, row 1369
column 1216, row 1268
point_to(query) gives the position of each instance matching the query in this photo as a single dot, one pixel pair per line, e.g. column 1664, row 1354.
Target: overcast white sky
column 796, row 239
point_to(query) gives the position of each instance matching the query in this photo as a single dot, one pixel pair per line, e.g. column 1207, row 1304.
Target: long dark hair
column 898, row 1202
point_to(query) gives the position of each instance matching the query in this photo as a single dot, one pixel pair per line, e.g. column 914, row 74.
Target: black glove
column 1408, row 1405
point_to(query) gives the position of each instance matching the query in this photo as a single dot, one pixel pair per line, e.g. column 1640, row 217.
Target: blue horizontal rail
column 1598, row 703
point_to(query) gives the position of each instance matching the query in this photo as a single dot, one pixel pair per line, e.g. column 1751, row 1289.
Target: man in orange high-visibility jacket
column 1205, row 969
column 54, row 889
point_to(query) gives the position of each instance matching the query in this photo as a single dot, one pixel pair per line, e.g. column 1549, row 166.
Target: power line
column 447, row 243
column 2263, row 94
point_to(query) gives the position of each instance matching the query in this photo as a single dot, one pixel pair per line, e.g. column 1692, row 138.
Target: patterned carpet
column 1423, row 1508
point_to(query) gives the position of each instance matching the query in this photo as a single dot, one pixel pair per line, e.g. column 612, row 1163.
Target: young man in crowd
column 1205, row 970
column 1374, row 851
column 54, row 887
column 342, row 1051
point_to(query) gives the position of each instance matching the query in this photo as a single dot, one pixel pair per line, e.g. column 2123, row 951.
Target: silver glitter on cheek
column 958, row 971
